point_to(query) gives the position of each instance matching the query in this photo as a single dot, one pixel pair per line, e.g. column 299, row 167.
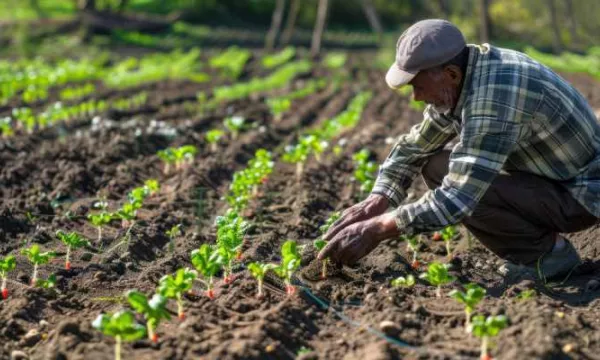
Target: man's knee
column 436, row 168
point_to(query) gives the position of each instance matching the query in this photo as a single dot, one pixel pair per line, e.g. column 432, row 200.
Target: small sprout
column 231, row 229
column 37, row 258
column 73, row 241
column 154, row 310
column 296, row 155
column 412, row 244
column 527, row 294
column 235, row 124
column 99, row 220
column 173, row 287
column 365, row 171
column 122, row 326
column 259, row 270
column 168, row 157
column 315, row 144
column 127, row 213
column 448, row 233
column 470, row 298
column 212, row 137
column 485, row 328
column 172, row 233
column 437, row 275
column 8, row 264
column 207, row 261
column 319, row 243
column 48, row 283
column 152, row 186
column 278, row 106
column 401, row 281
column 290, row 262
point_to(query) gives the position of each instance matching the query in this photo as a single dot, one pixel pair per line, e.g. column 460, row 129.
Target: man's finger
column 329, row 250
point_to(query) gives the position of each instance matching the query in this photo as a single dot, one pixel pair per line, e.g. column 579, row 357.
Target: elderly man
column 526, row 166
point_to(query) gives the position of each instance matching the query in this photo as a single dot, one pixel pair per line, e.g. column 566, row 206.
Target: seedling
column 172, row 233
column 470, row 298
column 212, row 137
column 235, row 124
column 168, row 157
column 485, row 328
column 401, row 281
column 127, row 213
column 7, row 265
column 314, row 144
column 412, row 244
column 278, row 106
column 259, row 270
column 48, row 283
column 122, row 326
column 173, row 287
column 99, row 220
column 207, row 261
column 448, row 233
column 319, row 243
column 365, row 171
column 437, row 275
column 153, row 309
column 527, row 294
column 296, row 155
column 37, row 258
column 6, row 127
column 152, row 186
column 230, row 237
column 73, row 241
column 290, row 262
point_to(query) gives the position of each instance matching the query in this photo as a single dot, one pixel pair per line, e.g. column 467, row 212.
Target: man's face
column 437, row 87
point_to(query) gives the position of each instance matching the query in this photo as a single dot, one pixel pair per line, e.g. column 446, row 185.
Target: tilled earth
column 49, row 180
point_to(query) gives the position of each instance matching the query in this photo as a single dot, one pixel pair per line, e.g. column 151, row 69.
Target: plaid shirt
column 513, row 114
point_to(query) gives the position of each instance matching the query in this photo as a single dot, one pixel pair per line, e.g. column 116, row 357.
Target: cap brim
column 396, row 78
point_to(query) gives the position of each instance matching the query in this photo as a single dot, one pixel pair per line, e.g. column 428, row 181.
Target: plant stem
column 468, row 321
column 438, row 292
column 299, row 170
column 67, row 262
column 118, row 347
column 484, row 346
column 150, row 331
column 260, row 287
column 180, row 307
column 213, row 147
column 34, row 277
column 3, row 289
column 99, row 234
column 448, row 249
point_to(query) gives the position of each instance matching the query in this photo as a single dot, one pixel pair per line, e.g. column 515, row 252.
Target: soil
column 49, row 181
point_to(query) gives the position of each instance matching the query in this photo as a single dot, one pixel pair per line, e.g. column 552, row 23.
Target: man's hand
column 359, row 239
column 372, row 206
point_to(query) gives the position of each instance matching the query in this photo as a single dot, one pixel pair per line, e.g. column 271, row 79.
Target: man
column 526, row 166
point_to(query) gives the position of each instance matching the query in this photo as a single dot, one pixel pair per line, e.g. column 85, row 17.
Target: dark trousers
column 520, row 215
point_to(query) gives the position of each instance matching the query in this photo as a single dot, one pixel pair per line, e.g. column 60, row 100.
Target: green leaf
column 319, row 244
column 9, row 263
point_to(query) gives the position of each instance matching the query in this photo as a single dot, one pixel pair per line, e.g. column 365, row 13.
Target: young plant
column 172, row 233
column 152, row 186
column 470, row 298
column 122, row 326
column 99, row 220
column 278, row 106
column 212, row 137
column 259, row 270
column 168, row 157
column 184, row 156
column 412, row 244
column 173, row 287
column 437, row 275
column 73, row 241
column 365, row 171
column 127, row 213
column 37, row 258
column 290, row 262
column 408, row 281
column 235, row 124
column 154, row 310
column 448, row 233
column 526, row 294
column 296, row 155
column 315, row 144
column 486, row 328
column 207, row 261
column 48, row 283
column 319, row 243
column 7, row 265
column 230, row 237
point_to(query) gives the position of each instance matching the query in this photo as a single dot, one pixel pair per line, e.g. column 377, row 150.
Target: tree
column 315, row 47
column 557, row 44
column 290, row 22
column 372, row 17
column 275, row 25
column 572, row 21
column 484, row 21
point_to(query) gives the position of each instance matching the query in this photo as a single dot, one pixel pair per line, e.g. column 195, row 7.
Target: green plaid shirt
column 513, row 114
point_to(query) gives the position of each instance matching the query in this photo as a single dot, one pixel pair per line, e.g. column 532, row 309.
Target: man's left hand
column 359, row 239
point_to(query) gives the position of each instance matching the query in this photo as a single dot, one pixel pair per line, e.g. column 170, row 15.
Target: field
column 53, row 175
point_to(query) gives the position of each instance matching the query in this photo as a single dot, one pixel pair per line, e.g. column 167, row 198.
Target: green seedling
column 365, row 171
column 172, row 233
column 401, row 281
column 470, row 298
column 319, row 243
column 99, row 220
column 120, row 325
column 73, row 241
column 235, row 124
column 315, row 144
column 412, row 244
column 437, row 275
column 448, row 233
column 212, row 137
column 486, row 328
column 296, row 154
column 278, row 106
column 207, row 261
column 274, row 60
column 290, row 262
column 154, row 310
column 127, row 214
column 231, row 229
column 259, row 270
column 184, row 156
column 48, row 283
column 152, row 186
column 8, row 264
column 168, row 157
column 245, row 182
column 173, row 287
column 37, row 258
column 335, row 60
column 6, row 127
column 527, row 294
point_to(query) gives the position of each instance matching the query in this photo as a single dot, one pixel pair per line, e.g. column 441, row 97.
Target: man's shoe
column 551, row 265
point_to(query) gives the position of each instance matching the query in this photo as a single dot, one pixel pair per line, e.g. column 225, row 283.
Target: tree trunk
column 372, row 17
column 86, row 5
column 557, row 44
column 315, row 47
column 275, row 25
column 484, row 21
column 290, row 22
column 572, row 21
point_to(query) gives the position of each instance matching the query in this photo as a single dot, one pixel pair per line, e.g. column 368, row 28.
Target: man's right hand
column 372, row 206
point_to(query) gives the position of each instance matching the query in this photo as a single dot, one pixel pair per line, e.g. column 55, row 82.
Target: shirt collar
column 474, row 52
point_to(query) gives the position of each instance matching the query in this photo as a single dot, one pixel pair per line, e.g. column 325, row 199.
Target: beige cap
column 426, row 44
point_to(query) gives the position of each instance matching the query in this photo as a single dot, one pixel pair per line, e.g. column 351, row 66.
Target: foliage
column 437, row 275
column 207, row 261
column 365, row 171
column 230, row 237
column 273, row 60
column 173, row 287
column 245, row 182
column 470, row 298
column 154, row 310
column 235, row 124
column 290, row 262
column 335, row 60
column 7, row 264
column 319, row 243
column 486, row 328
column 259, row 270
column 73, row 241
column 231, row 61
column 120, row 325
column 183, row 155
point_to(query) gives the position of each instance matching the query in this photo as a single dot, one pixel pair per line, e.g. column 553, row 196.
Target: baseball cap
column 425, row 44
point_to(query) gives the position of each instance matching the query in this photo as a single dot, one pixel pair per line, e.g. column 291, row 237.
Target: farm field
column 83, row 137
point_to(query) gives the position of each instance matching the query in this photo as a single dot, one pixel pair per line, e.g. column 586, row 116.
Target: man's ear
column 454, row 73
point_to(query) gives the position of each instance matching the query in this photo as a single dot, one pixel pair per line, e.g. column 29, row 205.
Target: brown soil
column 57, row 175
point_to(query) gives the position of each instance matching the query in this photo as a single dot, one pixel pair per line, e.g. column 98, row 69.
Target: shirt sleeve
column 489, row 134
column 410, row 153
